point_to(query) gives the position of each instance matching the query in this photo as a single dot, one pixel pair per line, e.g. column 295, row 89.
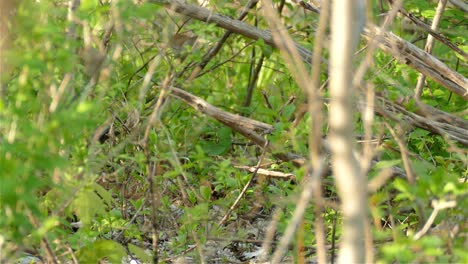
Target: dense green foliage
column 56, row 167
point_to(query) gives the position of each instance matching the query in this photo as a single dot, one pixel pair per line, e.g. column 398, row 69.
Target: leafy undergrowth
column 92, row 163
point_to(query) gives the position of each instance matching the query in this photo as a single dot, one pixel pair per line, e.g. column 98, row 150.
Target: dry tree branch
column 409, row 54
column 229, row 119
column 399, row 48
column 457, row 131
column 460, row 4
column 249, row 128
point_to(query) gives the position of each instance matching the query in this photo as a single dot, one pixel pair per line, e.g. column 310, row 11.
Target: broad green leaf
column 140, row 253
column 102, row 250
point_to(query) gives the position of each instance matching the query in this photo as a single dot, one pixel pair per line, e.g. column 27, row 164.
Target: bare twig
column 246, row 187
column 297, row 217
column 50, row 255
column 438, row 205
column 378, row 181
column 270, row 234
column 428, row 48
column 373, row 44
column 150, row 164
column 406, row 164
column 432, row 32
column 315, row 134
column 404, row 154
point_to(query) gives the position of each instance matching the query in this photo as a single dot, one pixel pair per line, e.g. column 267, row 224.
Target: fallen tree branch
column 249, row 128
column 416, row 58
column 457, row 131
column 399, row 48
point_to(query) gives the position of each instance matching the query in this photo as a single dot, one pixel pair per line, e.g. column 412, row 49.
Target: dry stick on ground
column 246, row 187
column 438, row 205
column 406, row 52
column 269, row 173
column 428, row 48
column 416, row 58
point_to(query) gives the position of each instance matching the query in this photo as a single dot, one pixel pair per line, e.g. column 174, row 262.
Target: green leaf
column 87, row 204
column 205, row 192
column 214, row 148
column 87, row 5
column 266, row 49
column 465, row 49
column 386, row 164
column 106, row 195
column 140, row 253
column 102, row 250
